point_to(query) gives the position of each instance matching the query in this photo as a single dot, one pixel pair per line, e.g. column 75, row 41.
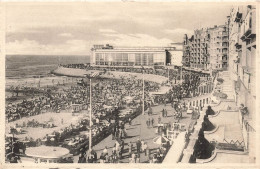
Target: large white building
column 107, row 55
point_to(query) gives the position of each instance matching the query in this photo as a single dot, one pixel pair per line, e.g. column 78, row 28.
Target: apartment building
column 207, row 48
column 242, row 50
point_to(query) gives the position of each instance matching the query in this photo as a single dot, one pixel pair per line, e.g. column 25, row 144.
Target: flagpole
column 181, row 75
column 143, row 94
column 90, row 116
column 168, row 75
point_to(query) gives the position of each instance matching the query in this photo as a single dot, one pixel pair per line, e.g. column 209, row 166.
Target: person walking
column 138, row 145
column 150, row 111
column 159, row 120
column 162, row 112
column 130, row 147
column 102, row 158
column 122, row 146
column 137, row 160
column 82, row 158
column 145, row 149
column 142, row 145
column 130, row 121
column 94, row 156
column 133, row 160
column 105, row 152
column 114, row 150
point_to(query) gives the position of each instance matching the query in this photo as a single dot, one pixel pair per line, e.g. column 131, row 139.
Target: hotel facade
column 107, row 55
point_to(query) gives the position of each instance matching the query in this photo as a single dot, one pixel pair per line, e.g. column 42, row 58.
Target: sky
column 73, row 28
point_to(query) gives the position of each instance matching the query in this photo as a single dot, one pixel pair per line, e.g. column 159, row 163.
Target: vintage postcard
column 158, row 83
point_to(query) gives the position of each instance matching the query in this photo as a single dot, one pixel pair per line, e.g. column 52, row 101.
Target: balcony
column 224, row 60
column 237, row 60
column 224, row 34
column 224, row 52
column 247, row 69
column 225, row 40
column 224, row 45
column 238, row 17
column 238, row 46
column 248, row 27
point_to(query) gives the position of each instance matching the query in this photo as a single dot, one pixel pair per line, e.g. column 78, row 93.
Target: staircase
column 228, row 86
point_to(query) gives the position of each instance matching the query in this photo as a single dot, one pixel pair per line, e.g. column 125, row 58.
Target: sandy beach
column 39, row 132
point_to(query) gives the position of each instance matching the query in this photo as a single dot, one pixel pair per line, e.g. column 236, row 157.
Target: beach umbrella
column 160, row 140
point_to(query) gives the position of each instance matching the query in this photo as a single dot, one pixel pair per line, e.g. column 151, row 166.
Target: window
column 124, row 57
column 43, row 161
column 138, row 59
column 144, row 59
column 107, row 55
column 150, row 59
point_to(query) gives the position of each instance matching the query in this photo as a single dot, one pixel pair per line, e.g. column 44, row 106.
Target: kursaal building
column 107, row 55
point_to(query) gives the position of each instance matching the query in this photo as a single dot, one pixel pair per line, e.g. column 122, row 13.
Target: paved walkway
column 230, row 158
column 227, row 120
column 224, row 105
column 139, row 130
column 229, row 127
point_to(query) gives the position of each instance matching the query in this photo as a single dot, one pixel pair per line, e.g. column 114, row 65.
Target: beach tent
column 160, row 140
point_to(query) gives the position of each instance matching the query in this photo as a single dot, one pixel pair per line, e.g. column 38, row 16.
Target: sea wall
column 62, row 71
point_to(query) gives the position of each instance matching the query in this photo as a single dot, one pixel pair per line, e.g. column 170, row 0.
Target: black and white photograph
column 134, row 82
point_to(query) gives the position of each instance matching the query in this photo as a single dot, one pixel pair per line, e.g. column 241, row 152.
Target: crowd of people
column 108, row 98
column 133, row 152
column 77, row 66
column 105, row 92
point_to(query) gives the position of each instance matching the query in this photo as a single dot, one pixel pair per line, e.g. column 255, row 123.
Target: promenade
column 73, row 72
column 139, row 130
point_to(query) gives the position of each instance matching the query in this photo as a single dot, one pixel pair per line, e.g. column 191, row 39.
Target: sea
column 28, row 66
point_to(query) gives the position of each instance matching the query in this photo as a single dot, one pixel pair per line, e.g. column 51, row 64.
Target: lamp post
column 143, row 91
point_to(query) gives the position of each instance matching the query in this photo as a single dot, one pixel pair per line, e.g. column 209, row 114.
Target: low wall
column 193, row 138
column 72, row 72
column 174, row 154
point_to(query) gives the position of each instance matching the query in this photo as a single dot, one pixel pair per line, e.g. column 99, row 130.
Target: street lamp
column 90, row 76
column 181, row 74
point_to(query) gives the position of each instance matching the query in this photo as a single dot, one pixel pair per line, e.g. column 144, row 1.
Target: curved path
column 62, row 71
